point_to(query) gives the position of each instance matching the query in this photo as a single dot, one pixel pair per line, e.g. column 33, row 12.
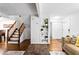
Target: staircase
column 15, row 37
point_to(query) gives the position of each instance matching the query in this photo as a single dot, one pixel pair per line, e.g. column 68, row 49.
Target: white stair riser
column 14, row 39
column 11, row 42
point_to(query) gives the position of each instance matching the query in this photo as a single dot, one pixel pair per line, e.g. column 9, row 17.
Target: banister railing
column 11, row 30
column 22, row 27
column 20, row 30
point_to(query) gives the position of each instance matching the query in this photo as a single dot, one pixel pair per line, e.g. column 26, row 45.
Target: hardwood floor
column 55, row 45
column 34, row 49
column 23, row 46
column 37, row 49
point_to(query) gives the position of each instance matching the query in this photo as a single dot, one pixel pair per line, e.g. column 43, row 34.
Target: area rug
column 37, row 49
column 13, row 53
column 57, row 53
column 2, row 51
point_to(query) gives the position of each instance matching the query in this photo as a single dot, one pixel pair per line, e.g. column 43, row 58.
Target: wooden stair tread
column 14, row 36
column 16, row 33
column 13, row 41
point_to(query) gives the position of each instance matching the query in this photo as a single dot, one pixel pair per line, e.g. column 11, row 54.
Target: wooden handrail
column 22, row 27
column 12, row 26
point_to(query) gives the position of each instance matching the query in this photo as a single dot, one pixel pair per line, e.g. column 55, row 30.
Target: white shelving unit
column 36, row 33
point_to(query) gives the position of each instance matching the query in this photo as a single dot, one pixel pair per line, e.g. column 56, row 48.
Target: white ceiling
column 18, row 8
column 58, row 9
column 43, row 9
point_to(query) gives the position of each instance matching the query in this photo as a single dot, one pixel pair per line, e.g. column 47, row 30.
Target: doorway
column 56, row 29
column 56, row 33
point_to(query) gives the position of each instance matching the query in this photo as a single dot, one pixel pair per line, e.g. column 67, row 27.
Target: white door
column 57, row 30
column 35, row 30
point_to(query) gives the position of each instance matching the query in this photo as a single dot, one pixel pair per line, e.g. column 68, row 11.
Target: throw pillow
column 67, row 39
column 77, row 41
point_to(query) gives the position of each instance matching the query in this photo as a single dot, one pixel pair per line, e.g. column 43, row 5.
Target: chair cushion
column 2, row 32
column 71, row 49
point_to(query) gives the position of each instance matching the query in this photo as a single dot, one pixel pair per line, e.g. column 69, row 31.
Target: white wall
column 71, row 22
column 27, row 22
column 2, row 14
column 74, row 24
column 66, row 26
